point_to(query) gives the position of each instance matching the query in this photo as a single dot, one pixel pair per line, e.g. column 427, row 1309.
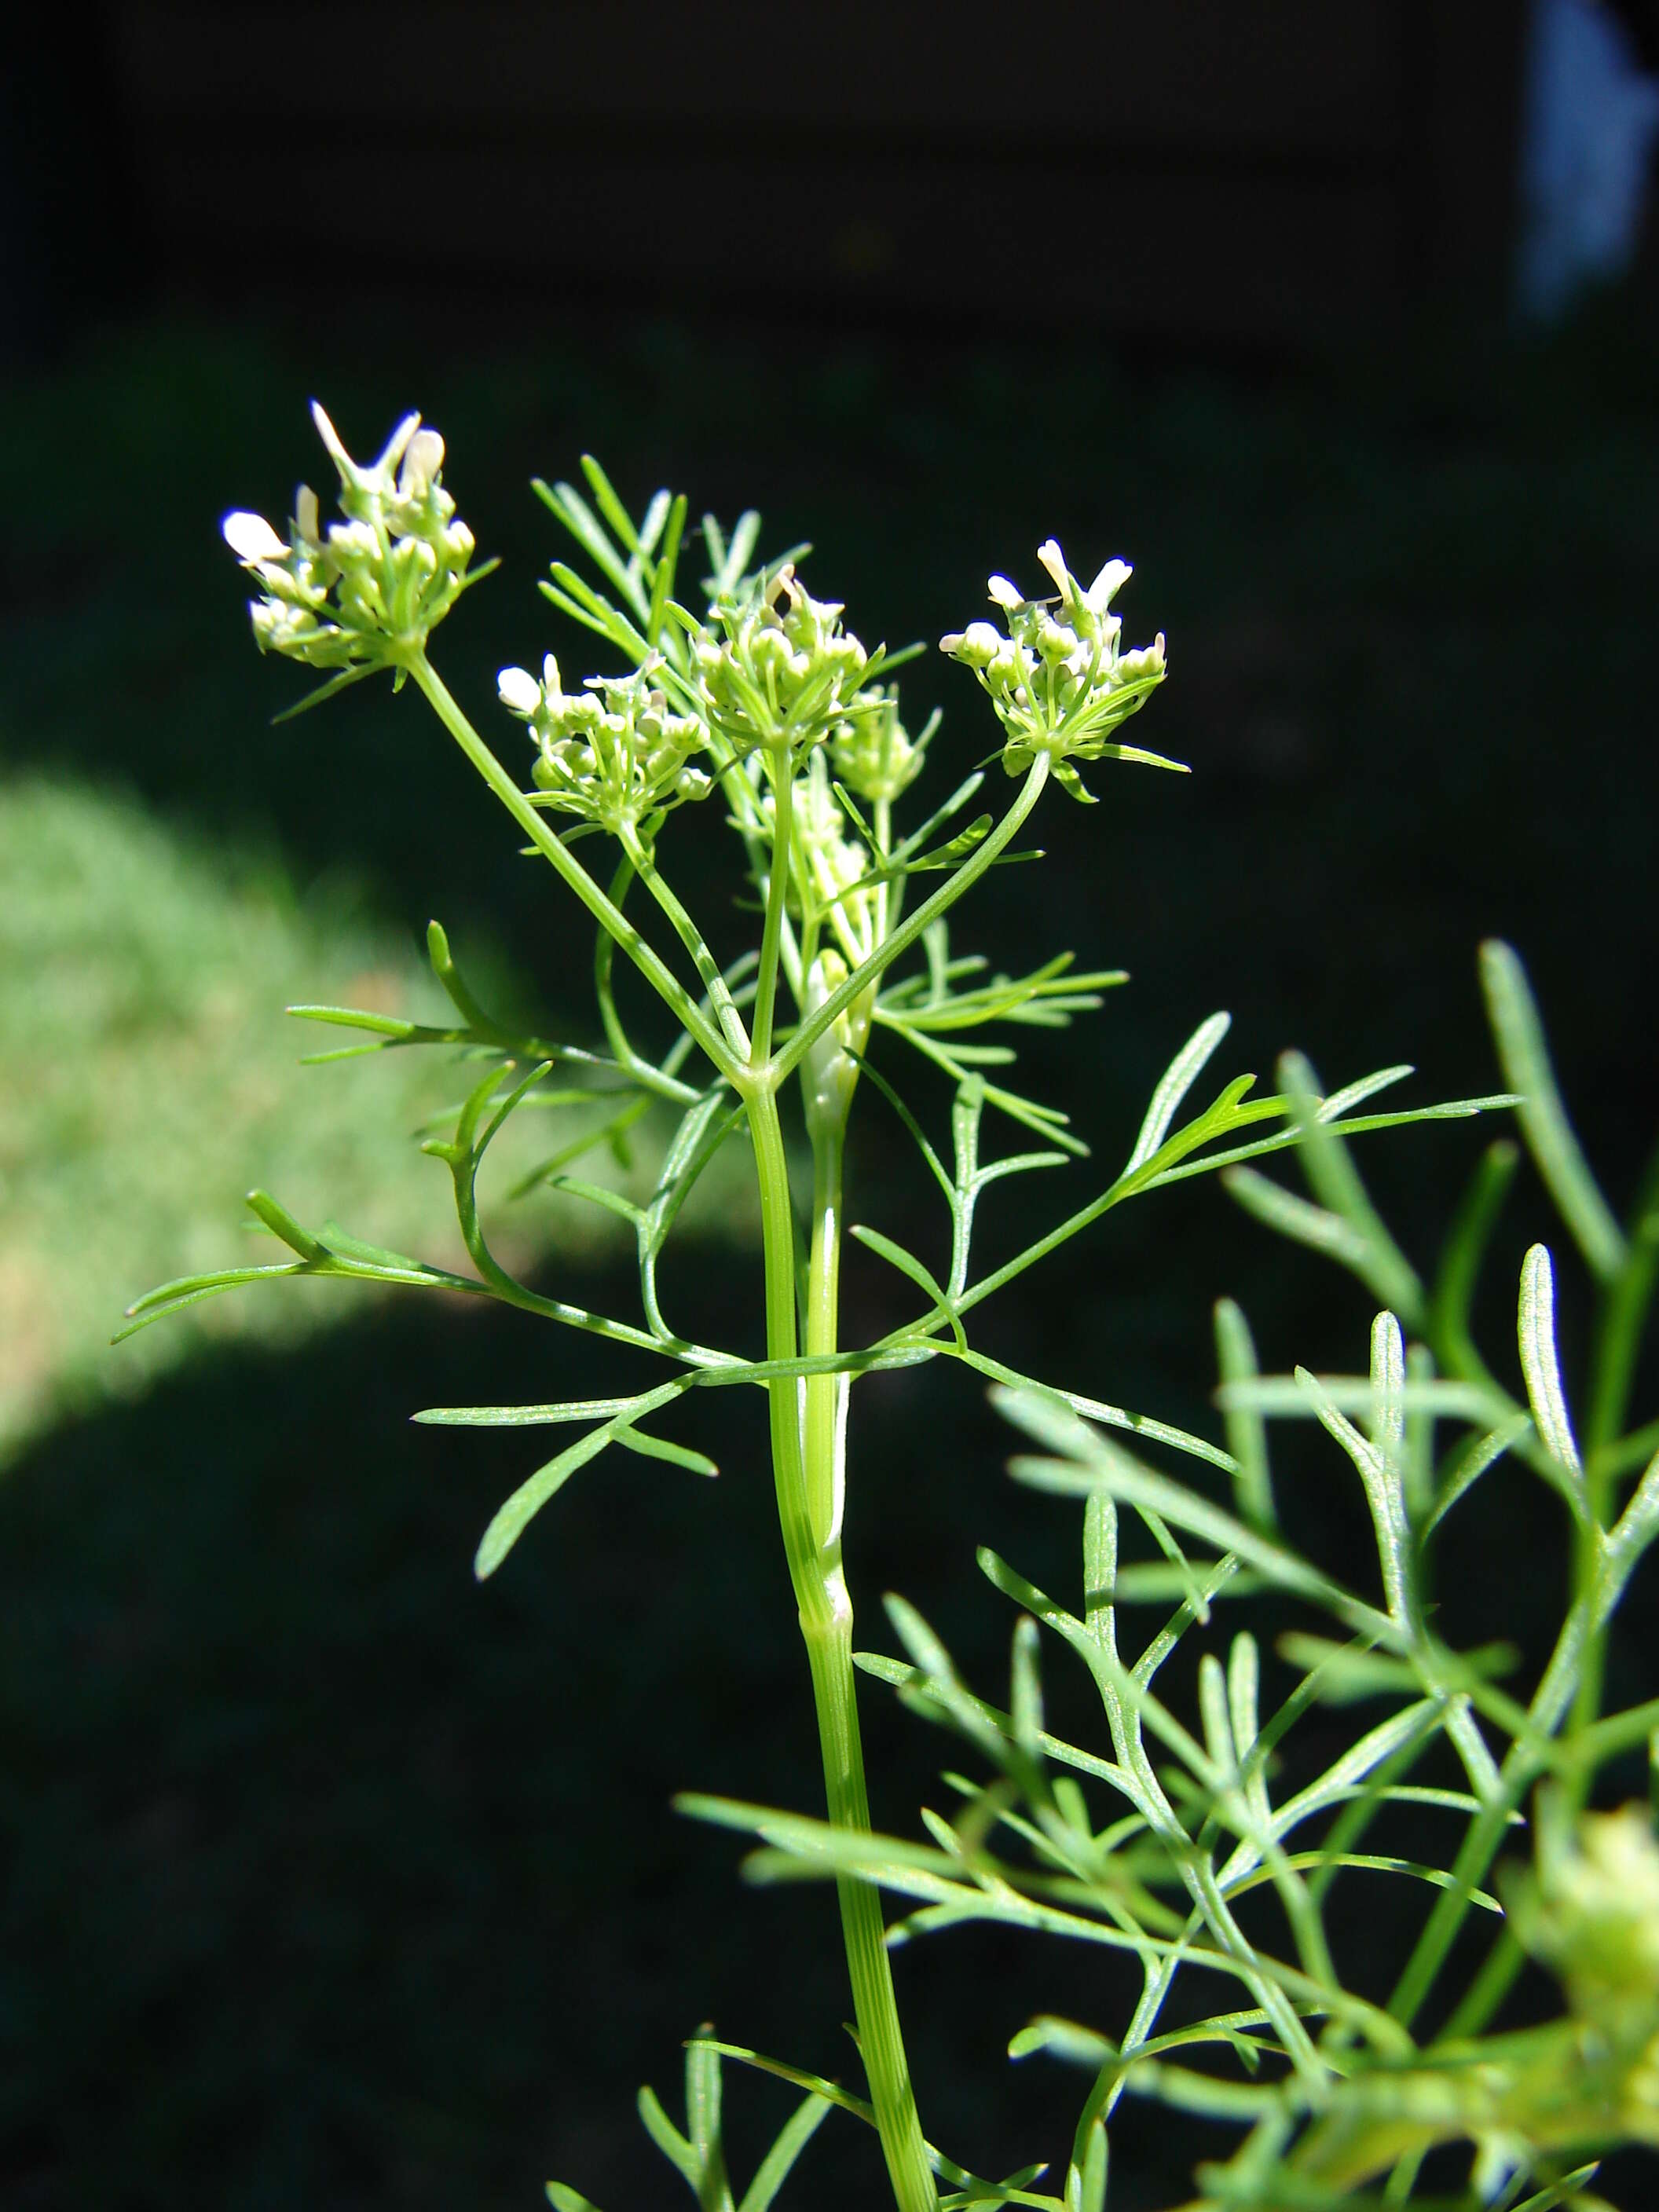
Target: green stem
column 804, row 1467
column 1619, row 1337
column 1623, row 1310
column 661, row 979
column 1486, row 1832
column 868, row 971
column 777, row 886
column 889, row 896
column 707, row 968
column 823, row 1469
column 632, row 1063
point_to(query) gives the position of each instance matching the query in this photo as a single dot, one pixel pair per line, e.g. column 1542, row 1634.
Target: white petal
column 1005, row 593
column 396, row 445
column 1111, row 580
column 331, row 438
column 1054, row 560
column 250, row 537
column 354, row 541
column 520, row 690
column 306, row 518
column 422, row 462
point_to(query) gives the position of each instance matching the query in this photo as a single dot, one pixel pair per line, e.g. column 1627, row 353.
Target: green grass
column 147, row 1076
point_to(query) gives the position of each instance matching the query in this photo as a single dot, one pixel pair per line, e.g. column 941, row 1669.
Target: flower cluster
column 776, row 668
column 610, row 752
column 1059, row 680
column 873, row 754
column 369, row 588
column 1591, row 1912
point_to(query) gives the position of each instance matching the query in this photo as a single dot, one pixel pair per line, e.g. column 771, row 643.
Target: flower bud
column 1591, row 1912
column 872, row 753
column 423, row 456
column 520, row 691
column 978, row 646
column 776, row 668
column 252, row 538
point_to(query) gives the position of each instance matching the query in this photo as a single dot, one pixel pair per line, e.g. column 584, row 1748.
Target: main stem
column 803, row 1462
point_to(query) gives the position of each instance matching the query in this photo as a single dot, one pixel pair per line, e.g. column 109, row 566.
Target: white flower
column 1107, row 584
column 252, row 538
column 353, row 543
column 519, row 690
column 366, row 590
column 1058, row 680
column 422, row 458
column 1098, row 597
column 978, row 645
column 375, row 475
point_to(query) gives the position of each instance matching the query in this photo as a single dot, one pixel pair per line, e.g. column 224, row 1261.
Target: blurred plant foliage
column 743, row 691
column 141, row 1070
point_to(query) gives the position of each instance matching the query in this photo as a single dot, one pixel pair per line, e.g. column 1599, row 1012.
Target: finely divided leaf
column 1535, row 1327
column 1173, row 1086
column 1524, row 1056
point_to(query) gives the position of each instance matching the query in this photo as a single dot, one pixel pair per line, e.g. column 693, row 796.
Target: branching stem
column 661, row 979
column 707, row 968
column 871, row 970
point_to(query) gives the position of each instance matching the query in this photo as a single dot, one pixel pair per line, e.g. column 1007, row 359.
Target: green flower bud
column 828, row 872
column 874, row 754
column 1590, row 1912
column 978, row 646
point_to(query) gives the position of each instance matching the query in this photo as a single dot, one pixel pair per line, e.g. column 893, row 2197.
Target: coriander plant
column 745, row 700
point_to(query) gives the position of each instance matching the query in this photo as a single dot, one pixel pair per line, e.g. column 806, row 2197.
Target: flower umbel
column 775, row 669
column 366, row 590
column 611, row 752
column 873, row 754
column 1060, row 681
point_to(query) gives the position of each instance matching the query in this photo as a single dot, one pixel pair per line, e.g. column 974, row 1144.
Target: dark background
column 329, row 1877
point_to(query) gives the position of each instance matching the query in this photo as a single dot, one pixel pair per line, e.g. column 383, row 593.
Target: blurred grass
column 148, row 1075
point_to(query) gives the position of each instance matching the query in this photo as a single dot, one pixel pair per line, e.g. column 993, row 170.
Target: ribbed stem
column 808, row 1514
column 707, row 968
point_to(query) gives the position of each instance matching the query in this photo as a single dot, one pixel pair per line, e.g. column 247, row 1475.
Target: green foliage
column 799, row 726
column 1336, row 2089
